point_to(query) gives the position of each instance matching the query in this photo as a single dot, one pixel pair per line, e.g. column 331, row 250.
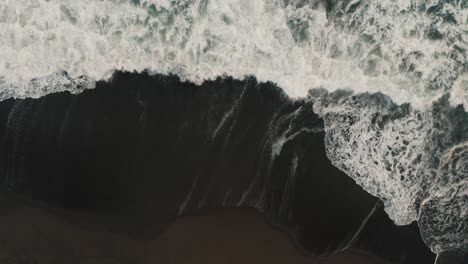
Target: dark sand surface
column 32, row 235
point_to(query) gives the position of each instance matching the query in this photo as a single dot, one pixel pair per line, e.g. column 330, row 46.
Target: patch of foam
column 444, row 215
column 379, row 147
column 459, row 95
column 414, row 161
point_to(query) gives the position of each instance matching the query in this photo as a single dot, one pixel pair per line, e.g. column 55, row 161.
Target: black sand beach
column 32, row 235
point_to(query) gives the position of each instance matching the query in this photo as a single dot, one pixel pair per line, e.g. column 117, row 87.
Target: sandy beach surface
column 32, row 235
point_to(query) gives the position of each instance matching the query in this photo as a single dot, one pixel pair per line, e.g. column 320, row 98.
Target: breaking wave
column 414, row 51
column 390, row 78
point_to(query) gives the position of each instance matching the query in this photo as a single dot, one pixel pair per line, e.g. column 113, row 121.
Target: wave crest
column 414, row 51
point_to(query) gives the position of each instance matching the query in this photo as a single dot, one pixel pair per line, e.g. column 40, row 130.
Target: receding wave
column 414, row 161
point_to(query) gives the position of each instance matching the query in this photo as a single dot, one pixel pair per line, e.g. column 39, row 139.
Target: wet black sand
column 34, row 235
column 128, row 157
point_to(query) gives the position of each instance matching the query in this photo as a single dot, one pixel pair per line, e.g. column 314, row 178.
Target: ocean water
column 390, row 78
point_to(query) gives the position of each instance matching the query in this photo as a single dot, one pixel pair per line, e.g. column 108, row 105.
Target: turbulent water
column 390, row 78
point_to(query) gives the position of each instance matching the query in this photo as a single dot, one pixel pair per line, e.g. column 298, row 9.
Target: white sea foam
column 414, row 161
column 384, row 155
column 444, row 215
column 379, row 46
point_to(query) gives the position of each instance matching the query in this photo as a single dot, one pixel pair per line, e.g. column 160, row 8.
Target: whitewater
column 390, row 78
